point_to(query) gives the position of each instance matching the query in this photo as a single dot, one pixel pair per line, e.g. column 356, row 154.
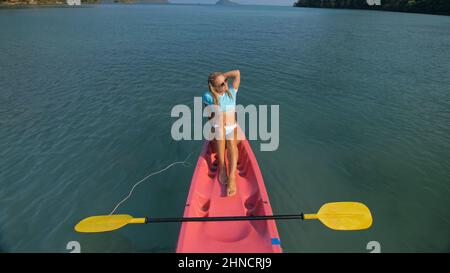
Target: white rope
column 145, row 178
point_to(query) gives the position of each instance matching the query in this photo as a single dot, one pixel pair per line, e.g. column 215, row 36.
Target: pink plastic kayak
column 207, row 198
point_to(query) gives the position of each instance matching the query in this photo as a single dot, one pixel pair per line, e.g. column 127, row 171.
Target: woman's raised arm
column 236, row 75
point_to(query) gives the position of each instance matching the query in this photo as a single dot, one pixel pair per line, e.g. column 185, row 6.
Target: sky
column 244, row 2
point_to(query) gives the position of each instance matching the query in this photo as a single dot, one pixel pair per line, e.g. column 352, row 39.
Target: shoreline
column 377, row 9
column 62, row 5
column 26, row 6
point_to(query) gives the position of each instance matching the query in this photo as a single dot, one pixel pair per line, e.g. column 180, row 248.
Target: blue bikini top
column 226, row 103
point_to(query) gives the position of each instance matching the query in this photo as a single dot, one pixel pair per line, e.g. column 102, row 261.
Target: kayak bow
column 207, row 198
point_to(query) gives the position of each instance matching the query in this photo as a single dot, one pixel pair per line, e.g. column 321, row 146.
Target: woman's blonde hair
column 212, row 89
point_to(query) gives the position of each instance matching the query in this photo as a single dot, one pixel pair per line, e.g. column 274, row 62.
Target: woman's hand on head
column 236, row 75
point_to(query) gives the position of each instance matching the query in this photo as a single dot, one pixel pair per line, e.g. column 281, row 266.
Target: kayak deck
column 207, row 198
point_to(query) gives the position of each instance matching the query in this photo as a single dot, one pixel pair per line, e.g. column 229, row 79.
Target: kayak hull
column 207, row 198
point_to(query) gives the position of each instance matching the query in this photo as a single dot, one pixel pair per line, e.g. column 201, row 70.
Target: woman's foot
column 231, row 186
column 222, row 177
column 214, row 165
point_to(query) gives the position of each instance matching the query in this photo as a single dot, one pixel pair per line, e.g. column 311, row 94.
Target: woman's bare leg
column 220, row 148
column 232, row 164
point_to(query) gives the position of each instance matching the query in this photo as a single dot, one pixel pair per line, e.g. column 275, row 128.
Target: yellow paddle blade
column 103, row 223
column 345, row 216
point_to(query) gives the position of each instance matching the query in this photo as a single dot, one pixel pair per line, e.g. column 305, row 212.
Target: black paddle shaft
column 225, row 218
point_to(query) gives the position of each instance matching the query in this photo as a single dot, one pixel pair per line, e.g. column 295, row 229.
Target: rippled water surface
column 86, row 95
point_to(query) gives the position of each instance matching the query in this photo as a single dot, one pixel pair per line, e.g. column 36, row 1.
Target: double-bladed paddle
column 336, row 215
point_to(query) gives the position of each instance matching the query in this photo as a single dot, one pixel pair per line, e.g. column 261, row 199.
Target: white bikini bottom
column 228, row 128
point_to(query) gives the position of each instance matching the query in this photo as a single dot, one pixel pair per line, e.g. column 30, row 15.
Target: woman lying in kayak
column 222, row 99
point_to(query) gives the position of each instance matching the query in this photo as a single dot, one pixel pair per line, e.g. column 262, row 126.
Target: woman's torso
column 224, row 112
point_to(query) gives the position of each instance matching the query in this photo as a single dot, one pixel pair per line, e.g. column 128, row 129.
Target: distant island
column 441, row 7
column 226, row 3
column 141, row 1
